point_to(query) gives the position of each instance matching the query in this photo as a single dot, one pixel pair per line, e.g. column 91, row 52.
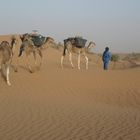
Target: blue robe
column 106, row 58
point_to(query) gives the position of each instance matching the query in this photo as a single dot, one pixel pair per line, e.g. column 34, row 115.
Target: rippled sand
column 68, row 104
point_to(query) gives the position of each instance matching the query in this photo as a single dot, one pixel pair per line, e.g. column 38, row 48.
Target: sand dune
column 70, row 104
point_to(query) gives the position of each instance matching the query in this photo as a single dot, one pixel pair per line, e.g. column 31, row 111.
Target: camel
column 29, row 47
column 71, row 47
column 6, row 54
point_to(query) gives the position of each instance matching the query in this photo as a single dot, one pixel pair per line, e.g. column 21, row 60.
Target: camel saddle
column 77, row 41
column 38, row 40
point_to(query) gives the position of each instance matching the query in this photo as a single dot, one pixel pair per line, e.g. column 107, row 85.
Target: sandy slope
column 68, row 104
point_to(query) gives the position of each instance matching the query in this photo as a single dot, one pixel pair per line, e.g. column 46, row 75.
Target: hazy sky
column 113, row 23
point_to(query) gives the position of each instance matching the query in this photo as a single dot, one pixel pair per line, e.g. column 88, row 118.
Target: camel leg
column 7, row 74
column 34, row 54
column 16, row 65
column 79, row 60
column 62, row 58
column 28, row 65
column 0, row 64
column 70, row 59
column 40, row 54
column 86, row 58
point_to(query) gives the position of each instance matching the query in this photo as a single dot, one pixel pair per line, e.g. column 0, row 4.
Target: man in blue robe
column 106, row 58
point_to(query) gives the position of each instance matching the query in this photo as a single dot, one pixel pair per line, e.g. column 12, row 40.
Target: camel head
column 91, row 45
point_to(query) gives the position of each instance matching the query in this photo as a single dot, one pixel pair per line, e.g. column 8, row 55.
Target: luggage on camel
column 38, row 40
column 77, row 41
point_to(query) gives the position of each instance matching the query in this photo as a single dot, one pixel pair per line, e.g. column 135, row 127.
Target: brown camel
column 6, row 54
column 30, row 46
column 71, row 47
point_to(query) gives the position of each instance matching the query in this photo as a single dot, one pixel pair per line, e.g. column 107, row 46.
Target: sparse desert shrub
column 115, row 58
column 132, row 56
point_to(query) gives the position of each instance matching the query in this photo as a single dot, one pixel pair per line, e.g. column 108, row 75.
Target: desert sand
column 70, row 104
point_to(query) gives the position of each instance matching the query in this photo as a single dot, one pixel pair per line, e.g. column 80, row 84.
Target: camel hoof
column 31, row 70
column 8, row 83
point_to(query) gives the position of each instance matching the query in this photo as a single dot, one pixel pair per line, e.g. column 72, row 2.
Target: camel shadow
column 25, row 68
